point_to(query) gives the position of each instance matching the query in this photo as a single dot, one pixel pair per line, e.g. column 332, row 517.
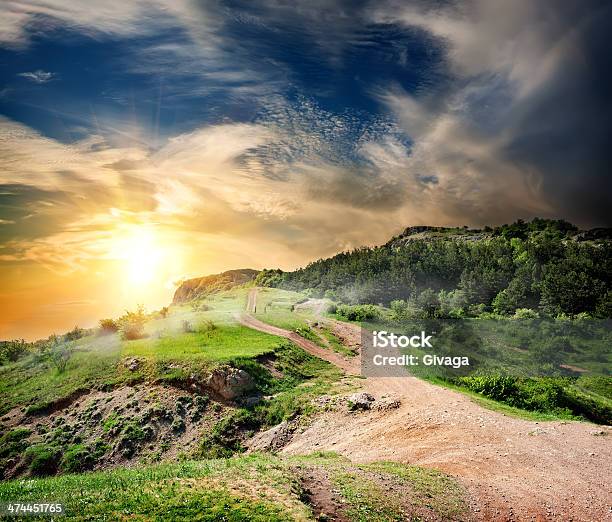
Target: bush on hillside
column 42, row 459
column 206, row 326
column 108, row 326
column 59, row 356
column 525, row 313
column 75, row 334
column 11, row 351
column 545, row 395
column 366, row 312
column 131, row 324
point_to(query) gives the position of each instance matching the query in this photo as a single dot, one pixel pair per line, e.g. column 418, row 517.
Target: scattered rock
column 132, row 364
column 251, row 401
column 387, row 403
column 325, row 401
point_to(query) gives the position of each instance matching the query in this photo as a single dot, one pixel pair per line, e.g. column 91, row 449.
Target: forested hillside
column 542, row 267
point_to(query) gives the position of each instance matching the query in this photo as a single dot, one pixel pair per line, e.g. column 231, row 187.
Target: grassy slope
column 96, row 361
column 254, row 487
column 274, row 306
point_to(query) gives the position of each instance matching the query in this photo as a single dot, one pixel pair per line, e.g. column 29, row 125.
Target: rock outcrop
column 200, row 287
column 230, row 383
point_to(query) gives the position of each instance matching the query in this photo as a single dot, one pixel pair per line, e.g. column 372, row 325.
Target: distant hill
column 549, row 266
column 202, row 286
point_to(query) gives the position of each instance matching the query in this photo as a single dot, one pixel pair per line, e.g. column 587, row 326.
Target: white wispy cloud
column 38, row 76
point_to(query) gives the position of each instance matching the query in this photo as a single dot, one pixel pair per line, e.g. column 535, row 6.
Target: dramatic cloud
column 270, row 133
column 529, row 113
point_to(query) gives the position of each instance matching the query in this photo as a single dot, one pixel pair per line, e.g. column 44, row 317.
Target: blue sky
column 270, row 133
column 164, row 81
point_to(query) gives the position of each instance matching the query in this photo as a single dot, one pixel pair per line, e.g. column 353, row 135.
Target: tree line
column 525, row 268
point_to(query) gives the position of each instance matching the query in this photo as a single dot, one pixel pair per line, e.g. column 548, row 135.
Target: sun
column 140, row 255
column 143, row 261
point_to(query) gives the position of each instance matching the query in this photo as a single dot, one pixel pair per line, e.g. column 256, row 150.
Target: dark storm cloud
column 529, row 106
column 564, row 129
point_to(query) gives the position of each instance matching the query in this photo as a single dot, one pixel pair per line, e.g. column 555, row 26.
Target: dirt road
column 349, row 365
column 513, row 469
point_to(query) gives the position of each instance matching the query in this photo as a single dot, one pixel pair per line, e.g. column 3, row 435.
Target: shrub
column 77, row 458
column 497, row 387
column 108, row 326
column 131, row 324
column 75, row 334
column 164, row 312
column 366, row 312
column 544, row 394
column 207, row 326
column 331, row 295
column 11, row 351
column 186, row 326
column 307, row 333
column 42, row 459
column 60, row 355
column 525, row 313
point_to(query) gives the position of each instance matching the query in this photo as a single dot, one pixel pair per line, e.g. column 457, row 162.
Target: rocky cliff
column 202, row 286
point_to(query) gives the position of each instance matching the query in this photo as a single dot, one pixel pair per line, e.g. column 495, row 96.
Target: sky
column 144, row 142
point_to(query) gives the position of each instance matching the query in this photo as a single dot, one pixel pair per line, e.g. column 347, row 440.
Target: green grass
column 30, row 381
column 96, row 363
column 253, row 488
column 219, row 345
column 274, row 306
column 257, row 487
column 417, row 493
column 431, row 487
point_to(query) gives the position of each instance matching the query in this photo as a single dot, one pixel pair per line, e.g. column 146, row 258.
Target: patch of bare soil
column 319, row 493
column 513, row 469
column 316, row 306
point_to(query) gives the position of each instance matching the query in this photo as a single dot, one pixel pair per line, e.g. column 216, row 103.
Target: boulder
column 360, row 401
column 229, row 382
column 274, row 439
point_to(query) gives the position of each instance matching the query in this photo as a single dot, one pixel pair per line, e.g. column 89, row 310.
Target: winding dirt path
column 350, row 366
column 513, row 469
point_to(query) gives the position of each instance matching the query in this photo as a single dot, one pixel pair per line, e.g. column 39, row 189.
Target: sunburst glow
column 141, row 256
